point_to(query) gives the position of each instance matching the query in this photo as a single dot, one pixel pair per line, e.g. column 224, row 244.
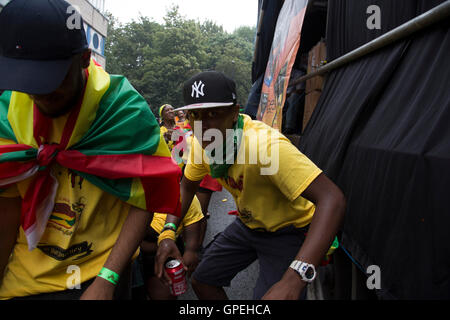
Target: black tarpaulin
column 270, row 11
column 381, row 131
column 347, row 25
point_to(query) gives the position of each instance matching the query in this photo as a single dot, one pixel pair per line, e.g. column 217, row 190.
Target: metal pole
column 426, row 19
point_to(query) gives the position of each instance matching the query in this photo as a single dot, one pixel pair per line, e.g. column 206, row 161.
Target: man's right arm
column 9, row 228
column 167, row 247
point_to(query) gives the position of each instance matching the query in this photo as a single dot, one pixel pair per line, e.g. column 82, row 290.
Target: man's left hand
column 190, row 261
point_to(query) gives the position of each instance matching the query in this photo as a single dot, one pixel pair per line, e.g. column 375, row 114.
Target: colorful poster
column 285, row 44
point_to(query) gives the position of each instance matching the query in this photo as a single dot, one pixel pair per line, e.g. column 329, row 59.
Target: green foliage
column 158, row 58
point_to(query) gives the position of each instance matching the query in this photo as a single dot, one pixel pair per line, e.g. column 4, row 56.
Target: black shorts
column 238, row 246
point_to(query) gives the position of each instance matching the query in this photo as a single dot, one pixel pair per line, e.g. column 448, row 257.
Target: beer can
column 177, row 274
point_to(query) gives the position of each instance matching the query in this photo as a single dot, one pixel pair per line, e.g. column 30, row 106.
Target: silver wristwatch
column 306, row 270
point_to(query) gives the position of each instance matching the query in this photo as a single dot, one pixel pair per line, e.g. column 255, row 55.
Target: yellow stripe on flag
column 163, row 149
column 20, row 117
column 4, row 142
column 137, row 195
column 98, row 83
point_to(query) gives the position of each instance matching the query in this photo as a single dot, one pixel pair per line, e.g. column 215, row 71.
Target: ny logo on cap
column 197, row 88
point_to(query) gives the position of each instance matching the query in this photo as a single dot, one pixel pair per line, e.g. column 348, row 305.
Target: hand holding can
column 177, row 275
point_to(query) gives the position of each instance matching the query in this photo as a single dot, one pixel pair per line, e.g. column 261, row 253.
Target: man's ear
column 86, row 58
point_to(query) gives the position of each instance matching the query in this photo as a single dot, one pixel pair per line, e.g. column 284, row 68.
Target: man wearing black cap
column 289, row 211
column 76, row 162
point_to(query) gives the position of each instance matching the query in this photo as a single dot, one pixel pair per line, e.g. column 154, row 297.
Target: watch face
column 309, row 274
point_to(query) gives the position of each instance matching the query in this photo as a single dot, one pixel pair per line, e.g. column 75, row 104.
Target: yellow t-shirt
column 271, row 200
column 81, row 232
column 193, row 215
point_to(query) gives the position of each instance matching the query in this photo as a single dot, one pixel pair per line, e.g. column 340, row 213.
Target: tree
column 158, row 58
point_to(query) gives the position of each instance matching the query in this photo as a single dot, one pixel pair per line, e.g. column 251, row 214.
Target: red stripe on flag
column 119, row 166
column 72, row 120
column 13, row 169
column 13, row 147
column 160, row 176
column 162, row 195
column 39, row 188
column 41, row 125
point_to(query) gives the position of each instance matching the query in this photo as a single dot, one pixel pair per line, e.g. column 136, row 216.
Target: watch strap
column 300, row 267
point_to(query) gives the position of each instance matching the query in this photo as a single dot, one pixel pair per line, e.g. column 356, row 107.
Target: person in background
column 167, row 116
column 181, row 121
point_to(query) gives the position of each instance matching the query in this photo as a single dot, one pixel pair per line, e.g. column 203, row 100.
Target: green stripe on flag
column 124, row 124
column 24, row 155
column 6, row 131
column 120, row 188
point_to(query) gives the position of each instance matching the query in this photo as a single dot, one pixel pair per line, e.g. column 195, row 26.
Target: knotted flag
column 110, row 138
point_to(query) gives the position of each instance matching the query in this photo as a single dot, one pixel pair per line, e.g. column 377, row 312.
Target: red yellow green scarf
column 111, row 139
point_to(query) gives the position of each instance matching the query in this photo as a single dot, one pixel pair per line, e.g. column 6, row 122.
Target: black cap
column 209, row 89
column 37, row 43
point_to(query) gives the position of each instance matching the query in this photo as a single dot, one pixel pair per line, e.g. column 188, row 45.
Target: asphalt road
column 241, row 287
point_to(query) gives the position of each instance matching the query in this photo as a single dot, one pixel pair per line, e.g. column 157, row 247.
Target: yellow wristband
column 167, row 234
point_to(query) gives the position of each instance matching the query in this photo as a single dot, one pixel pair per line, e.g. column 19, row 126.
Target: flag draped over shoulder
column 110, row 138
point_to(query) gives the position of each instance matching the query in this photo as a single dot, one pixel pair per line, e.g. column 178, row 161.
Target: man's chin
column 53, row 113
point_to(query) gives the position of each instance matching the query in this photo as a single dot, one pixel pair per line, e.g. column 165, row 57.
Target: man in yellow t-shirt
column 289, row 211
column 86, row 244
